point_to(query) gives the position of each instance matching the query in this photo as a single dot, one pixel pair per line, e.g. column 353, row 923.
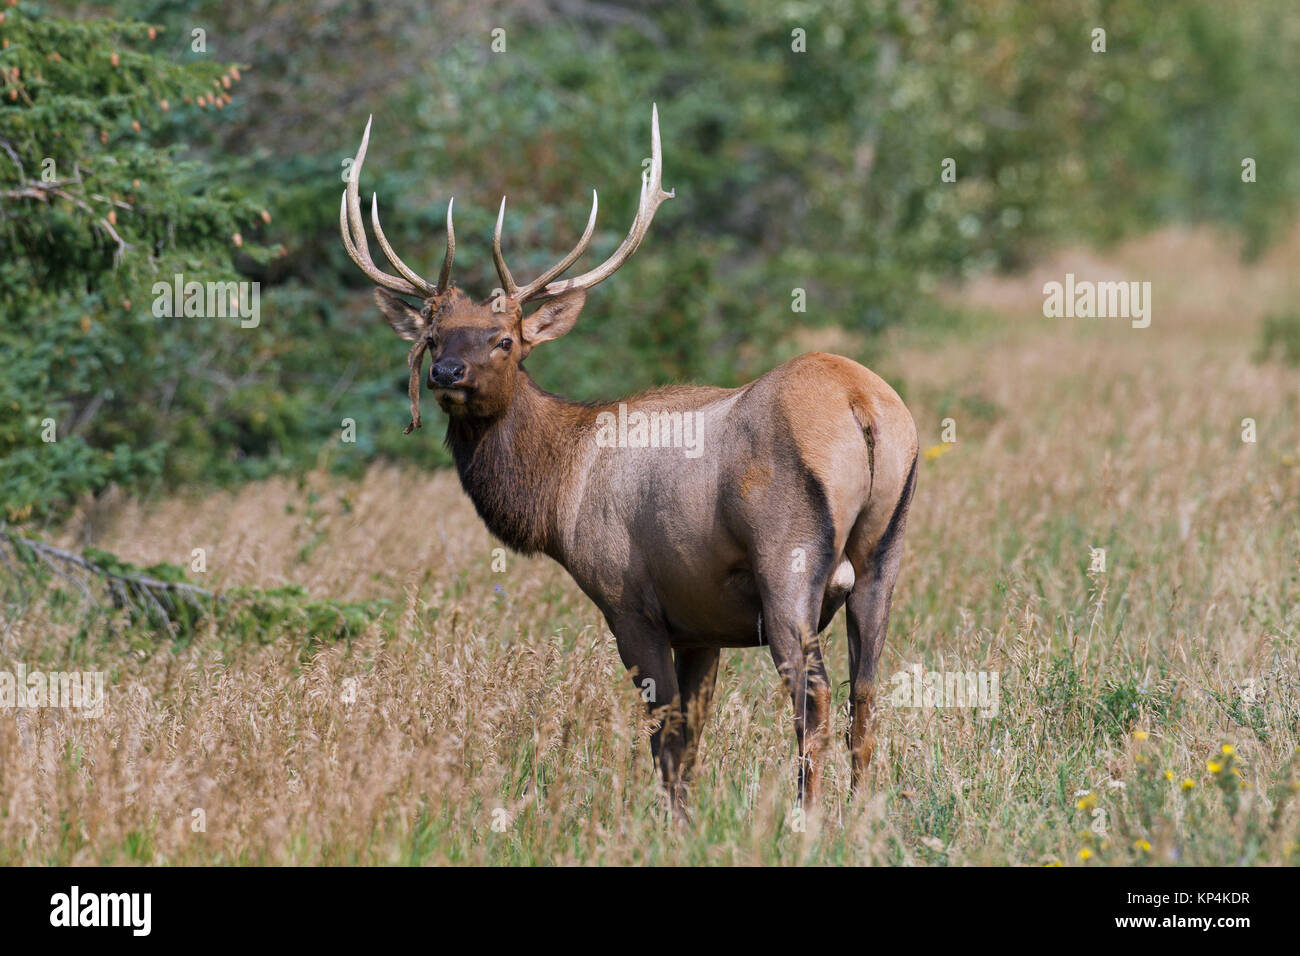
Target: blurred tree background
column 805, row 141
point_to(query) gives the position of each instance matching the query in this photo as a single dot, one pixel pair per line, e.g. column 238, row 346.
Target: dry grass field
column 1148, row 713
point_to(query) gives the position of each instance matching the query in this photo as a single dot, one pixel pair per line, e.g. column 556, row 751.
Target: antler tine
column 363, row 261
column 536, row 286
column 353, row 230
column 444, row 277
column 503, row 271
column 407, row 272
column 652, row 195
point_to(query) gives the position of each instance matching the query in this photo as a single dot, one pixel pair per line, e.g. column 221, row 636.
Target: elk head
column 477, row 348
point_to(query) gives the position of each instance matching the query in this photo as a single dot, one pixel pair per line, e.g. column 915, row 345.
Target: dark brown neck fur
column 513, row 467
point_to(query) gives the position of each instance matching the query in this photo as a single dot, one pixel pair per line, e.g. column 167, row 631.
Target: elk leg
column 649, row 657
column 697, row 673
column 868, row 623
column 868, row 614
column 790, row 627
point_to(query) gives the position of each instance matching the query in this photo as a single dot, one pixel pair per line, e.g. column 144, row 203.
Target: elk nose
column 446, row 373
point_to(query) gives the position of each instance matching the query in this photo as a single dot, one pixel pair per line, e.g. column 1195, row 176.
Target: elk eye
column 504, row 344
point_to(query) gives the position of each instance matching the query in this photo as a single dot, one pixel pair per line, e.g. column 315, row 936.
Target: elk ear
column 553, row 319
column 406, row 321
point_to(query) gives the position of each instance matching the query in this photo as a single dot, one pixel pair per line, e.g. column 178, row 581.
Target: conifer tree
column 98, row 202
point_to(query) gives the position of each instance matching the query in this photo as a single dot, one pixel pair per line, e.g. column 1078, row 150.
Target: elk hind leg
column 791, row 602
column 868, row 624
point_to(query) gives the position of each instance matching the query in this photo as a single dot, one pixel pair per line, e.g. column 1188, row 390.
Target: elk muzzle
column 447, row 373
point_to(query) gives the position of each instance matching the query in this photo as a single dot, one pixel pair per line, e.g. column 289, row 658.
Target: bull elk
column 793, row 504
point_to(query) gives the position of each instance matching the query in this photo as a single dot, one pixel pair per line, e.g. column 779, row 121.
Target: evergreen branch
column 50, row 553
column 151, row 595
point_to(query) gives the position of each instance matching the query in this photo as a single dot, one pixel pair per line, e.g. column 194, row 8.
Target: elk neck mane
column 514, row 467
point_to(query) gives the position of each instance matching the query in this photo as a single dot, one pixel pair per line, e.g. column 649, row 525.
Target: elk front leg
column 649, row 658
column 697, row 674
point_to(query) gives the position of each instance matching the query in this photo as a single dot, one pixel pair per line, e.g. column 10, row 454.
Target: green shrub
column 1279, row 339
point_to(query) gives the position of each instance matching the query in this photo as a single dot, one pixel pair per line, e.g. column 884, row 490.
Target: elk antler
column 353, row 230
column 652, row 194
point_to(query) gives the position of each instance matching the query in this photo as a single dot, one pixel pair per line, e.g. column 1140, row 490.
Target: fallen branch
column 126, row 588
column 144, row 580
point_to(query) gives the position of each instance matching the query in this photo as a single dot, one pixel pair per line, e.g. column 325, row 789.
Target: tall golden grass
column 487, row 719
